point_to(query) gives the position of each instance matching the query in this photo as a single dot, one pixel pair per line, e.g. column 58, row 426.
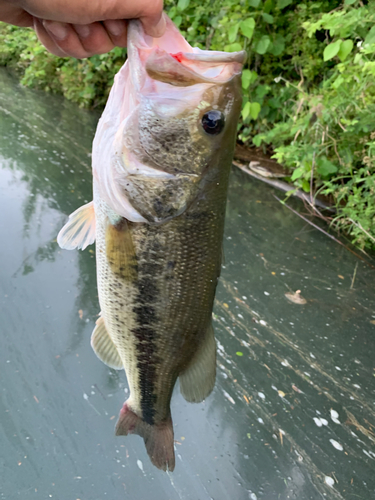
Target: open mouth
column 170, row 59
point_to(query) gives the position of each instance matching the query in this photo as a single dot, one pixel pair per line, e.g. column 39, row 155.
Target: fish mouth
column 170, row 59
column 170, row 72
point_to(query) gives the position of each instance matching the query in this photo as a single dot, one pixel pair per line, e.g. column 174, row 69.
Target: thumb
column 154, row 25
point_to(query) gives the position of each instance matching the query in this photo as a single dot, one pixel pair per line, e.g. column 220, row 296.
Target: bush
column 308, row 91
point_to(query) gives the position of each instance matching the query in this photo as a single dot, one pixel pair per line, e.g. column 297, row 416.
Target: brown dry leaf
column 341, row 276
column 296, row 297
column 372, row 321
column 295, row 388
column 80, row 314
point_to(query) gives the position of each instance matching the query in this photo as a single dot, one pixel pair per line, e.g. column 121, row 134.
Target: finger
column 15, row 15
column 117, row 31
column 66, row 39
column 88, row 11
column 94, row 38
column 46, row 40
column 154, row 25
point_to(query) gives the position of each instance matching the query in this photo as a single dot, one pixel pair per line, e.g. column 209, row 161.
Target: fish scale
column 193, row 243
column 161, row 160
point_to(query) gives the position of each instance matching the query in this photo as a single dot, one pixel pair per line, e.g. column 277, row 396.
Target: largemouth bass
column 161, row 160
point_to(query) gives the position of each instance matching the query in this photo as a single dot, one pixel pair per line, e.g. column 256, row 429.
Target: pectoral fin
column 104, row 348
column 198, row 380
column 79, row 231
column 120, row 250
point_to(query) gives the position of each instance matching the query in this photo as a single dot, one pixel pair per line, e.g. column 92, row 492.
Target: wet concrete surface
column 292, row 415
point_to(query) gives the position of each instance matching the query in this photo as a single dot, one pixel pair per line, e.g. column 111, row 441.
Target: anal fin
column 79, row 231
column 198, row 380
column 103, row 346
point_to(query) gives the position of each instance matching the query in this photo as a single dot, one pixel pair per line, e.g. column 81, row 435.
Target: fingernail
column 115, row 27
column 82, row 30
column 57, row 30
column 159, row 29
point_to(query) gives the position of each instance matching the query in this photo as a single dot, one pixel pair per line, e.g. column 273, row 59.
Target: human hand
column 82, row 28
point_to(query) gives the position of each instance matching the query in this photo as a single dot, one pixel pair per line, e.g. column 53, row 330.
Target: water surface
column 292, row 415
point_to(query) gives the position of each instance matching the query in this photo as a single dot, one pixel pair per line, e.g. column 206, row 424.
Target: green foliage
column 308, row 87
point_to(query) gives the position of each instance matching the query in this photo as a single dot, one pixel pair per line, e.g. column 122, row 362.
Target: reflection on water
column 292, row 413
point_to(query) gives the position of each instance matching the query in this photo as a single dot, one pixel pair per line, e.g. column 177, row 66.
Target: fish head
column 173, row 115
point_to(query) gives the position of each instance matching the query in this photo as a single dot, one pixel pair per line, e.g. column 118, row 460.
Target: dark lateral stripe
column 145, row 333
column 147, row 365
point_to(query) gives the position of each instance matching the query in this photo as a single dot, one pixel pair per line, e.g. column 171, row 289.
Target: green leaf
column 232, row 33
column 338, row 82
column 233, row 47
column 370, row 37
column 268, row 18
column 245, row 78
column 331, row 50
column 257, row 140
column 274, row 103
column 325, row 167
column 267, row 6
column 278, row 46
column 249, row 435
column 247, row 27
column 349, row 2
column 263, row 44
column 239, row 353
column 261, row 91
column 246, row 110
column 345, row 49
column 254, row 110
column 306, row 186
column 183, row 4
column 254, row 3
column 177, row 20
column 248, row 77
column 298, row 172
column 283, row 3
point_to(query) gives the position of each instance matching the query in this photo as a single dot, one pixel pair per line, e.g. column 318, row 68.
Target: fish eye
column 213, row 122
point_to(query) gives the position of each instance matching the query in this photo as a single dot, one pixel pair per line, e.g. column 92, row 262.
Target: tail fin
column 158, row 438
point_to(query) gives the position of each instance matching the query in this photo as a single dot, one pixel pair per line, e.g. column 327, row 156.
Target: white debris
column 328, row 480
column 261, row 395
column 336, row 445
column 262, row 322
column 229, row 398
column 140, row 465
column 335, row 416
